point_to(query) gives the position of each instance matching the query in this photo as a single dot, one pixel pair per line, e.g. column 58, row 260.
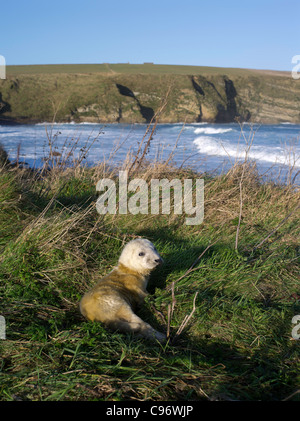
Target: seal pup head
column 140, row 255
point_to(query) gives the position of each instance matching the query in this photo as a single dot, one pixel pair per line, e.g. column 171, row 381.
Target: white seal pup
column 114, row 298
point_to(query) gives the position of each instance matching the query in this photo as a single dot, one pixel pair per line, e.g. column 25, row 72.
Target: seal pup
column 115, row 297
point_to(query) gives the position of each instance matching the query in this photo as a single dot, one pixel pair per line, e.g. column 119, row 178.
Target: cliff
column 133, row 94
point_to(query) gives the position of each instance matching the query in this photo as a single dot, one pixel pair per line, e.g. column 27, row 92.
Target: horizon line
column 147, row 64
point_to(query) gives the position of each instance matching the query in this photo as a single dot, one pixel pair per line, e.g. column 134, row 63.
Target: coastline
column 204, row 147
column 6, row 121
column 208, row 95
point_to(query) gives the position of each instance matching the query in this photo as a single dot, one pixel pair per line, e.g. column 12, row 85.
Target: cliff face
column 135, row 98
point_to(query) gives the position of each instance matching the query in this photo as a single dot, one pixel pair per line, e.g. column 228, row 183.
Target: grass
column 127, row 68
column 124, row 68
column 237, row 344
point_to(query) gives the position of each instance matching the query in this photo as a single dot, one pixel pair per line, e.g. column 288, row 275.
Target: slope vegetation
column 134, row 93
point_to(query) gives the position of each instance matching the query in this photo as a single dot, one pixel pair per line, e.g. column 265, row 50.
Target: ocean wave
column 89, row 123
column 210, row 146
column 68, row 123
column 211, row 130
column 49, row 123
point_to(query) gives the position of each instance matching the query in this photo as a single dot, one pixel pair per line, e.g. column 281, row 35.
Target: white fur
column 112, row 299
column 131, row 256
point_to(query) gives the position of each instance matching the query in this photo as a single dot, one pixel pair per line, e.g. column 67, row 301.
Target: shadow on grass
column 179, row 260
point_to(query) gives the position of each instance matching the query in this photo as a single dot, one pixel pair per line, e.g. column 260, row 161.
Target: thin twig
column 241, row 210
column 171, row 310
column 186, row 319
column 249, row 144
column 139, row 159
column 292, row 395
column 191, row 268
column 275, row 229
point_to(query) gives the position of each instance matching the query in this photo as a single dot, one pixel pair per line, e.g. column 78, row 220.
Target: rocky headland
column 134, row 95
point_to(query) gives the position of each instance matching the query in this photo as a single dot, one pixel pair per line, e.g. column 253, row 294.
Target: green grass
column 124, row 68
column 237, row 345
column 128, row 68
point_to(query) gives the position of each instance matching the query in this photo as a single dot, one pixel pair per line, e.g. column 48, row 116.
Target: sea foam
column 211, row 130
column 214, row 147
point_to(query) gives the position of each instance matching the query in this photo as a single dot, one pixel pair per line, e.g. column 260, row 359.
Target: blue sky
column 261, row 34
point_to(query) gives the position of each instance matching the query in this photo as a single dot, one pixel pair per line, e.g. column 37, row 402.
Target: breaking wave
column 214, row 147
column 211, row 130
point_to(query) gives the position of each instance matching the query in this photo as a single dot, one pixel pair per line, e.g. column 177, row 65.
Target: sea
column 204, row 147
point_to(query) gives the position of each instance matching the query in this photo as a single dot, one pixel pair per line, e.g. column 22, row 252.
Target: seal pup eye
column 141, row 253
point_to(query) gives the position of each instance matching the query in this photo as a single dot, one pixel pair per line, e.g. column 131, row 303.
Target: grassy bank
column 239, row 268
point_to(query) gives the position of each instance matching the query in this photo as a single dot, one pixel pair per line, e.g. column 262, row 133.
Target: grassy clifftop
column 134, row 93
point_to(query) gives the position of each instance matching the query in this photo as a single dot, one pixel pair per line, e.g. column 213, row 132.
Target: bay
column 203, row 147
